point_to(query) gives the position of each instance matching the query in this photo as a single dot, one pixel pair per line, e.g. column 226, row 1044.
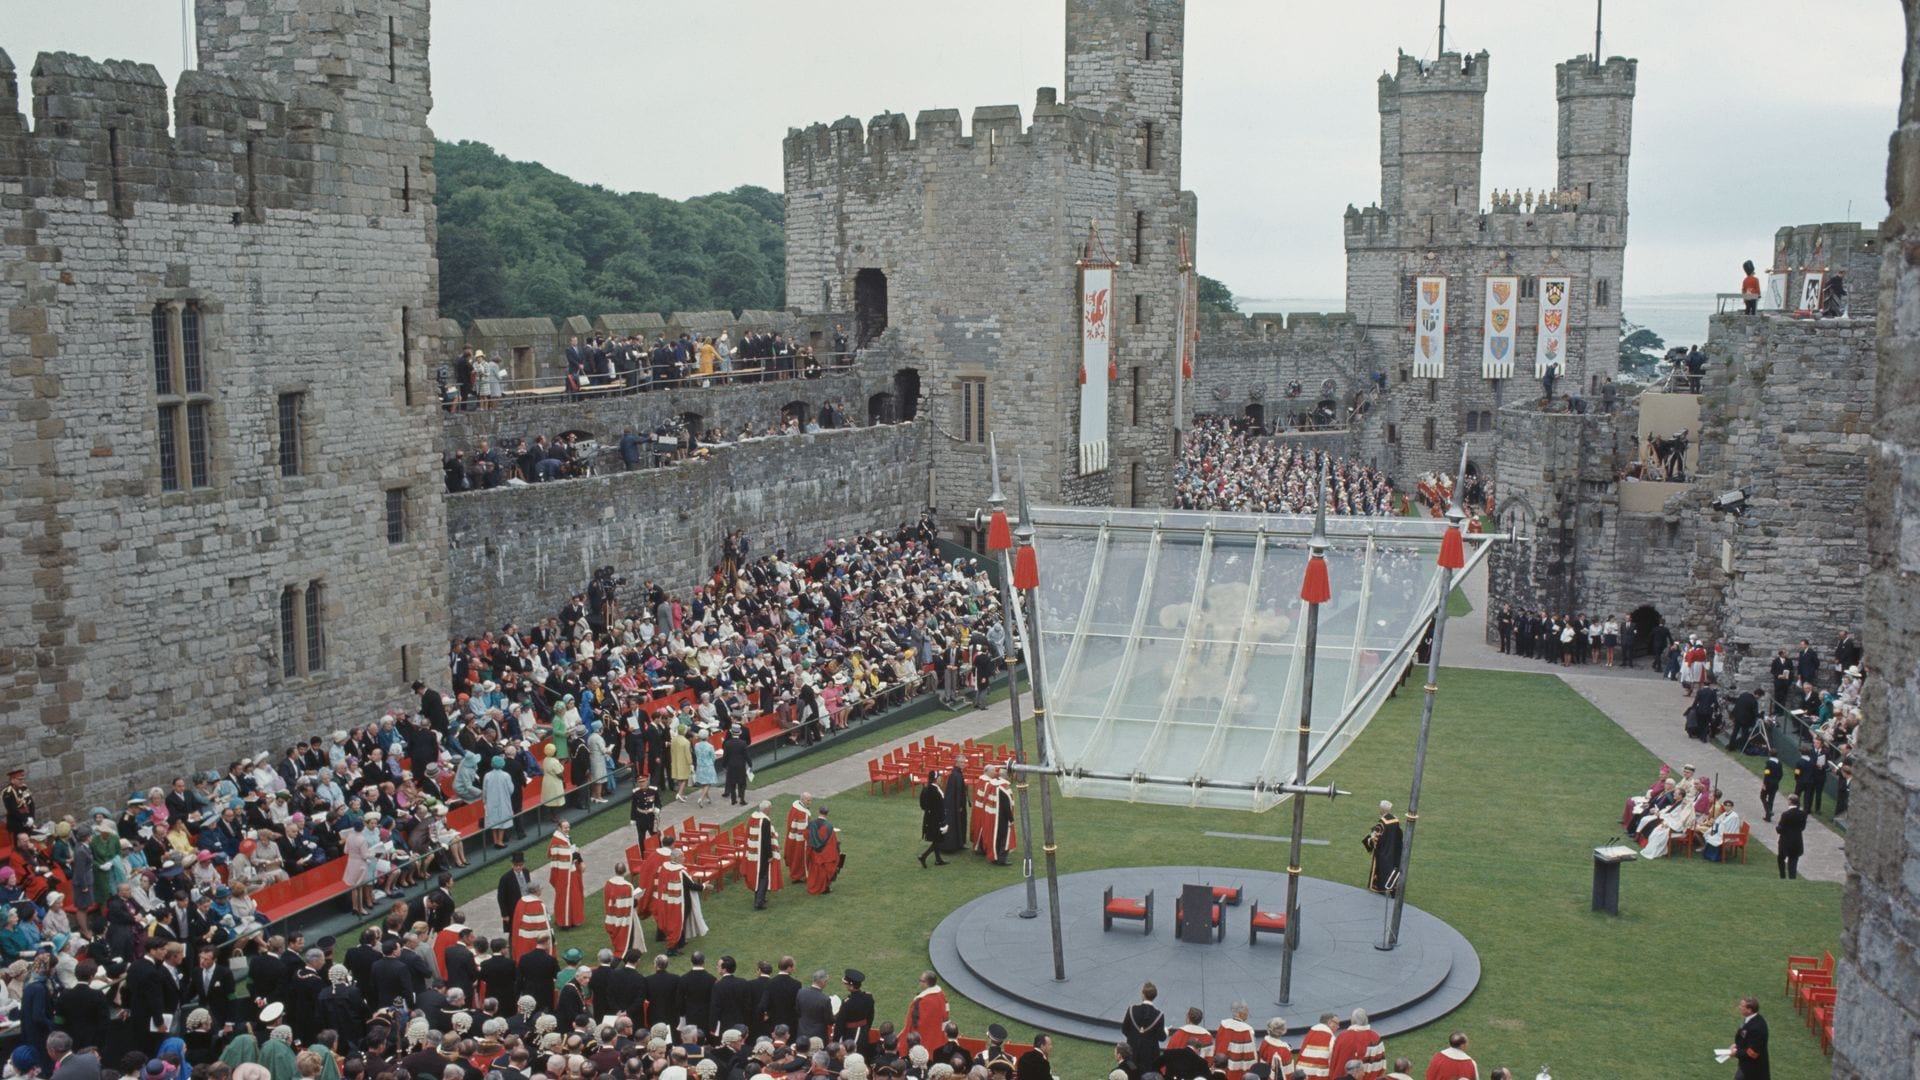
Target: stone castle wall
column 1785, row 413
column 1250, row 360
column 978, row 235
column 517, row 554
column 285, row 200
column 1877, row 1020
column 1435, row 218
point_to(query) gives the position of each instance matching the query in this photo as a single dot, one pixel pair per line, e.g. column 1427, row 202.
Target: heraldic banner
column 1096, row 351
column 1429, row 327
column 1556, row 295
column 1496, row 349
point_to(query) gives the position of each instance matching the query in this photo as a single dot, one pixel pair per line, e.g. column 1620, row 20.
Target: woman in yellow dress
column 553, row 788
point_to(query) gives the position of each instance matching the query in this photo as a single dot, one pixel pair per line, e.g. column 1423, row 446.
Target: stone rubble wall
column 1877, row 1020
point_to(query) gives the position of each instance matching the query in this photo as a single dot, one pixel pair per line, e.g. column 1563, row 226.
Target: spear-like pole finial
column 1454, row 510
column 998, row 499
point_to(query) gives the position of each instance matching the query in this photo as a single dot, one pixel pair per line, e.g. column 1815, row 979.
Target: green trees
column 518, row 239
column 1215, row 296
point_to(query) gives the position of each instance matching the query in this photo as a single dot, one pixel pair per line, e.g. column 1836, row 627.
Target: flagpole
column 1452, row 557
column 1000, row 543
column 1314, row 590
column 1026, row 580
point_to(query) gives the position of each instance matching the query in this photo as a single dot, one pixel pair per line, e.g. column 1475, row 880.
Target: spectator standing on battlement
column 1750, row 288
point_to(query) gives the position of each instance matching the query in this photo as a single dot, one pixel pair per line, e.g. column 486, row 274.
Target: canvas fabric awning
column 1173, row 644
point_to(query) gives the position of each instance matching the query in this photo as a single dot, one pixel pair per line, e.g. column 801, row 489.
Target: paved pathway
column 1648, row 707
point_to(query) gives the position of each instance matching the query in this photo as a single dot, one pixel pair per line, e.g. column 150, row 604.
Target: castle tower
column 1125, row 60
column 1432, row 123
column 1596, row 132
column 224, row 303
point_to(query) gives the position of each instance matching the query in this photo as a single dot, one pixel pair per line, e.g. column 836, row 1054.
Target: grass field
column 1458, row 604
column 1523, row 779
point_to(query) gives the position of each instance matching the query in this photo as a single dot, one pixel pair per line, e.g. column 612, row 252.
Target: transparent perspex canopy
column 1174, row 645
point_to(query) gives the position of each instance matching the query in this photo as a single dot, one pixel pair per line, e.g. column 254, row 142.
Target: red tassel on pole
column 1083, row 374
column 1453, row 553
column 1026, row 569
column 999, row 536
column 1315, row 588
column 1186, row 368
column 1113, row 370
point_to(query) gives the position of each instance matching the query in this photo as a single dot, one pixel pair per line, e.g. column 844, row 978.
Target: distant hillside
column 518, row 239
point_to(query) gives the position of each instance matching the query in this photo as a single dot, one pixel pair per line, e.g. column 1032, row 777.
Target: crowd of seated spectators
column 571, row 455
column 1225, row 467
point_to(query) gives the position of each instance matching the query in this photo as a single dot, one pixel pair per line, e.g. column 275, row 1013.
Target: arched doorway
column 1257, row 417
column 797, row 411
column 869, row 305
column 880, row 409
column 906, row 394
column 696, row 427
column 1644, row 619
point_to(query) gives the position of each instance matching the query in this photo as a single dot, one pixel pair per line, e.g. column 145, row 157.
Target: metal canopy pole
column 1314, row 591
column 1029, row 596
column 998, row 539
column 1450, row 559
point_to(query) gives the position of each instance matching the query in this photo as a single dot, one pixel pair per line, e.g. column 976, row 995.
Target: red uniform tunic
column 569, row 892
column 442, row 941
column 530, row 925
column 624, row 930
column 1235, row 1040
column 1361, row 1044
column 823, row 856
column 996, row 837
column 1452, row 1064
column 763, row 840
column 1316, row 1050
column 646, row 874
column 795, row 850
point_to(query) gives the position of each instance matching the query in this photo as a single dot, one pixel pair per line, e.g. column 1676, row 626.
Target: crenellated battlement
column 105, row 130
column 996, row 133
column 1579, row 77
column 1452, row 73
column 1224, row 327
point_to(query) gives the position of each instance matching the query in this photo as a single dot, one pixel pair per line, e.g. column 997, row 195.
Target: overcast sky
column 1750, row 115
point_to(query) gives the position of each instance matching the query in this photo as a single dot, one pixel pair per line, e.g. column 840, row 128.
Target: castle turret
column 1432, row 118
column 1596, row 132
column 1124, row 58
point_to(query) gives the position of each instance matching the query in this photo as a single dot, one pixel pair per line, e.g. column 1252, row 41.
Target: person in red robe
column 564, row 865
column 645, row 871
column 442, row 941
column 1189, row 1049
column 1362, row 1044
column 676, row 903
column 823, row 853
column 1274, row 1051
column 763, row 854
column 624, row 929
column 1453, row 1062
column 996, row 836
column 1235, row 1041
column 926, row 1015
column 795, row 850
column 530, row 925
column 1316, row 1049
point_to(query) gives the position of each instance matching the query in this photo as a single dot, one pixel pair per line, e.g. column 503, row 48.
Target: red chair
column 1140, row 910
column 1736, row 843
column 1801, row 978
column 1264, row 922
column 1227, row 894
column 1820, row 1007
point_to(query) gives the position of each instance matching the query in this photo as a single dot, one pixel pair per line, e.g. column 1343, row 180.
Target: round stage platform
column 988, row 953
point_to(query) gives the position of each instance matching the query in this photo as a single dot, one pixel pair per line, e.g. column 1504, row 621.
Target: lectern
column 1606, row 876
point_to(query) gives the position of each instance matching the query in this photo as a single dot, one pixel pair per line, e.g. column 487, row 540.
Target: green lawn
column 1523, row 779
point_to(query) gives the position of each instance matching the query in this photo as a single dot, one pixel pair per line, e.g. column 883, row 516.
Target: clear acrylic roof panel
column 1174, row 645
